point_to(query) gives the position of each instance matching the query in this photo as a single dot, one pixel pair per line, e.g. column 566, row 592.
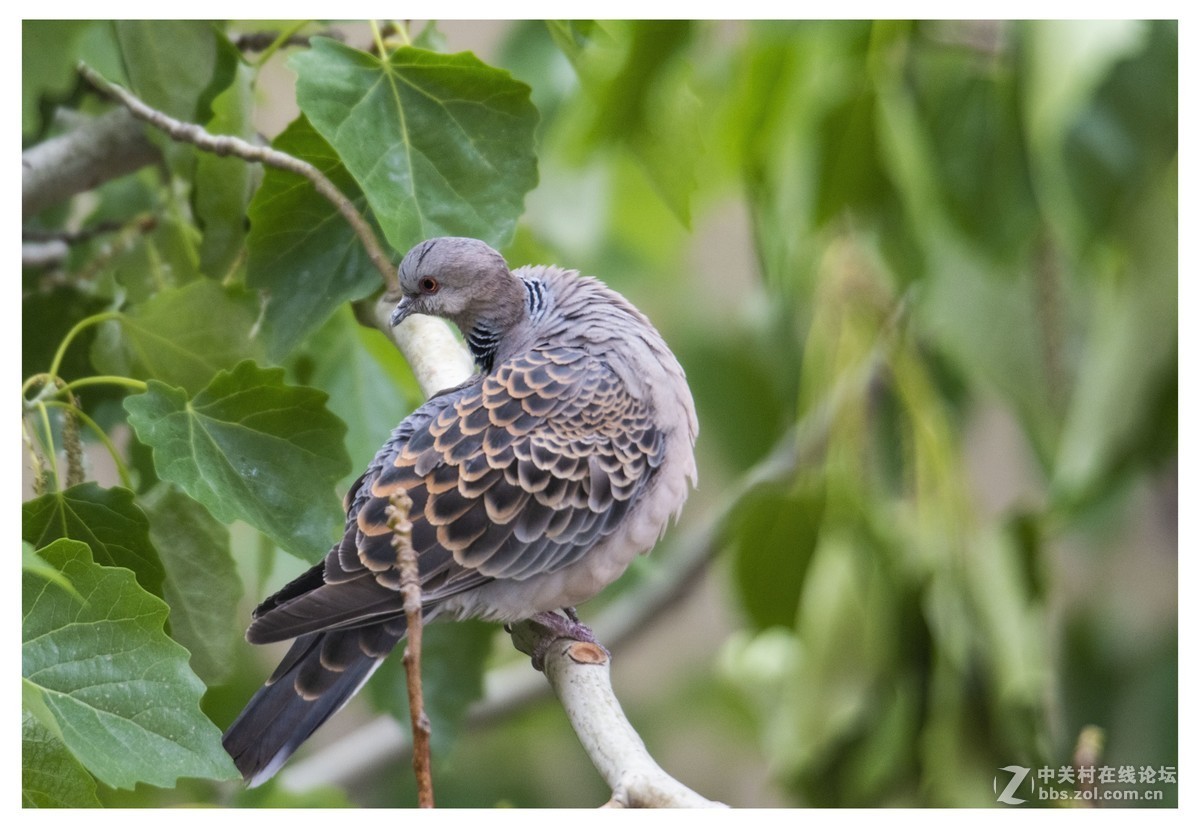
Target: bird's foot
column 564, row 625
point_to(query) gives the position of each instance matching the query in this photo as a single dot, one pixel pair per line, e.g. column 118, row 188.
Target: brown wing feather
column 516, row 474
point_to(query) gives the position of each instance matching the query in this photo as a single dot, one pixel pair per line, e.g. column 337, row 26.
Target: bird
column 534, row 484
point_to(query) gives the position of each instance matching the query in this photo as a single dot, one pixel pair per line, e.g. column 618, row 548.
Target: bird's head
column 459, row 279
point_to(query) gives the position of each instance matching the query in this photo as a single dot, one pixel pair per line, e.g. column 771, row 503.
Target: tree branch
column 437, row 358
column 42, row 254
column 98, row 150
column 231, row 145
column 578, row 671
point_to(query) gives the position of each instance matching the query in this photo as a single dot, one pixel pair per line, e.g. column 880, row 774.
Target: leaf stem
column 56, row 363
column 378, row 36
column 279, row 42
column 122, row 469
column 106, row 379
column 50, row 452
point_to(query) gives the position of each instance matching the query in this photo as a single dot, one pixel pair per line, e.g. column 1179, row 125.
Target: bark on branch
column 438, row 360
column 231, row 145
column 578, row 671
column 98, row 150
column 410, row 588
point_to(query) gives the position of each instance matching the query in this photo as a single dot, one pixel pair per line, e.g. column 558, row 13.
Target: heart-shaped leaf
column 182, row 336
column 202, row 586
column 107, row 520
column 117, row 689
column 301, row 252
column 442, row 145
column 250, row 447
column 177, row 66
column 370, row 386
column 223, row 186
column 50, row 776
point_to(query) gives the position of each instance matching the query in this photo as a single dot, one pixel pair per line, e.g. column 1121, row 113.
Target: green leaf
column 744, row 394
column 50, row 776
column 971, row 314
column 107, row 520
column 46, row 317
column 852, row 177
column 144, row 263
column 223, row 186
column 1131, row 355
column 176, row 66
column 639, row 95
column 772, row 535
column 972, row 114
column 370, row 386
column 301, row 252
column 250, row 447
column 430, row 38
column 47, row 65
column 440, row 144
column 1128, row 134
column 33, row 565
column 119, row 689
column 202, row 586
column 181, row 336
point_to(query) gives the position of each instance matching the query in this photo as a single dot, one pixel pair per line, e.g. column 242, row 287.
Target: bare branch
column 42, row 254
column 231, row 145
column 98, row 150
column 579, row 673
column 438, row 360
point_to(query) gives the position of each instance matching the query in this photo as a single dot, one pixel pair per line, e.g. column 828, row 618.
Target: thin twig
column 410, row 590
column 224, row 145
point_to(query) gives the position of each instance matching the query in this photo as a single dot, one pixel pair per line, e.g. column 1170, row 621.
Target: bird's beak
column 404, row 309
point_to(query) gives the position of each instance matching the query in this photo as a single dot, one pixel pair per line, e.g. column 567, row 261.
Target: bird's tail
column 319, row 674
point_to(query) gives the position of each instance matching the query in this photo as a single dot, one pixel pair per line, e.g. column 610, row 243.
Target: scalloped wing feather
column 514, row 475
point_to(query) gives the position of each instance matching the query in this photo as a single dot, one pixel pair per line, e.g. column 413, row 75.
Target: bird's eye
column 428, row 284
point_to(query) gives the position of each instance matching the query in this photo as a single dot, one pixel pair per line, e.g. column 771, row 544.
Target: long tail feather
column 319, row 674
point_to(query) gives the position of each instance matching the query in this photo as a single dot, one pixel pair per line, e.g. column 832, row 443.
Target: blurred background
column 923, row 280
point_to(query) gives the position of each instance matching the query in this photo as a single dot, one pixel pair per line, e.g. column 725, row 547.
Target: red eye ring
column 428, row 285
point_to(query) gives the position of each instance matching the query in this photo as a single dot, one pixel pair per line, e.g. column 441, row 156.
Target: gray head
column 462, row 280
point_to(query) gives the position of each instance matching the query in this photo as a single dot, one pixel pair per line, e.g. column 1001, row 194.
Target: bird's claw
column 560, row 627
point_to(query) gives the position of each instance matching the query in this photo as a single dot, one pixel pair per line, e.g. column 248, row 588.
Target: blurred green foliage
column 923, row 279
